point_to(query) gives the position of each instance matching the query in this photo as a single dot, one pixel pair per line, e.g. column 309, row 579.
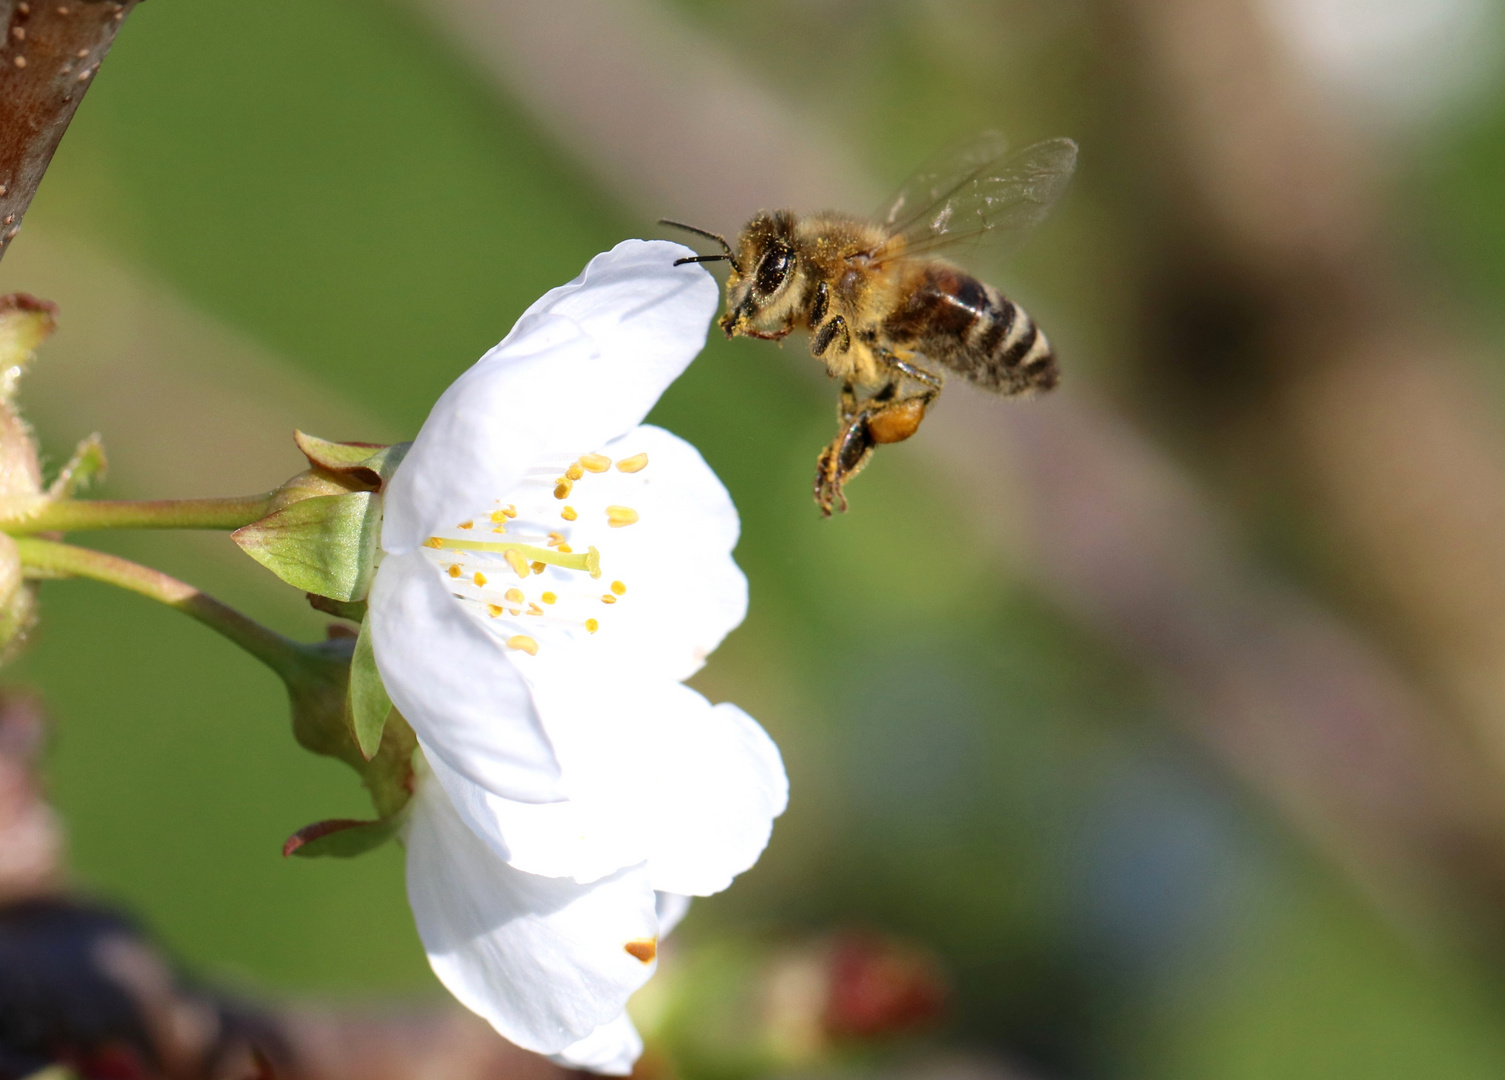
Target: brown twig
column 50, row 54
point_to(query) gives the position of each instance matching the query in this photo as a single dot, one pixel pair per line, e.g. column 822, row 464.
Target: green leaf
column 369, row 703
column 340, row 838
column 324, row 545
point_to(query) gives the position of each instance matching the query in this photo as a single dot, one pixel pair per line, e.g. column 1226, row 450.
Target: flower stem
column 48, row 558
column 19, row 516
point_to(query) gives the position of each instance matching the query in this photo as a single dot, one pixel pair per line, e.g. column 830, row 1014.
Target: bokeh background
column 1167, row 712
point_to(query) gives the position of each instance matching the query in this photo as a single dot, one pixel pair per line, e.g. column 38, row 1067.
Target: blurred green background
column 970, row 767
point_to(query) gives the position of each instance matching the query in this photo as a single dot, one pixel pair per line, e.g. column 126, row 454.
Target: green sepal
column 370, row 464
column 368, row 700
column 341, row 838
column 324, row 545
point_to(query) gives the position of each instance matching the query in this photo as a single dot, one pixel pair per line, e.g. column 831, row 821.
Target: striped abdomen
column 973, row 329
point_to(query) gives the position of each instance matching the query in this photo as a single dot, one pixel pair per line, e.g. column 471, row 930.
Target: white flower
column 551, row 571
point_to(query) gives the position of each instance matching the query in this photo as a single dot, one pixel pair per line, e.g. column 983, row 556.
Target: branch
column 50, row 54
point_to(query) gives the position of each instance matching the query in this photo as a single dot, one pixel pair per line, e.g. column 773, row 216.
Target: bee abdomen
column 1007, row 351
column 973, row 329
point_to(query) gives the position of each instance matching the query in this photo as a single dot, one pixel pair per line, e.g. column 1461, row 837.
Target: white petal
column 668, row 592
column 543, row 960
column 684, row 592
column 455, row 685
column 610, row 1049
column 653, row 771
column 583, row 365
column 672, row 908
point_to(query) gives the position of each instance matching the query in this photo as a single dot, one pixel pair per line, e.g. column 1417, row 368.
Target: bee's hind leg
column 841, row 461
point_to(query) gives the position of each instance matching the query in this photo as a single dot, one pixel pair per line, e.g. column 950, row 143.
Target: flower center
column 533, row 589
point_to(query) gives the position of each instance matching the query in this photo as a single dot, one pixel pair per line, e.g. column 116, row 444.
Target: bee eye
column 774, row 269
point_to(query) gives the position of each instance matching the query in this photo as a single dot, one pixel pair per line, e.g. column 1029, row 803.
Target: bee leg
column 828, row 332
column 847, row 405
column 928, row 379
column 841, row 461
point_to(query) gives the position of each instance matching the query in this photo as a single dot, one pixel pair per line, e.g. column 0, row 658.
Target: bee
column 886, row 314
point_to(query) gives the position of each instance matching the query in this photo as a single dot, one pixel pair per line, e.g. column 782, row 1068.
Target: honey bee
column 887, row 315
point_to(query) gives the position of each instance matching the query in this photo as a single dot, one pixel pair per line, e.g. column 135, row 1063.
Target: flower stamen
column 636, row 463
column 590, row 561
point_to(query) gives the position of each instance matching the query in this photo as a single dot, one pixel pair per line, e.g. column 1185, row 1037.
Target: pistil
column 589, row 561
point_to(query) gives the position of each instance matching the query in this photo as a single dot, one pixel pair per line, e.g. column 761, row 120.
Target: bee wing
column 977, row 191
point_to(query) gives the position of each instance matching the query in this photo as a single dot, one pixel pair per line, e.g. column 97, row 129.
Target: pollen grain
column 643, row 949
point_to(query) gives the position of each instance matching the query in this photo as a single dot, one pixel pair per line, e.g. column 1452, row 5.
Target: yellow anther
column 516, row 561
column 494, row 611
column 562, row 487
column 500, row 529
column 515, row 595
column 595, row 462
column 467, row 525
column 499, row 517
column 523, row 643
column 480, row 578
column 565, row 549
column 539, row 567
column 514, row 611
column 511, row 510
column 608, row 598
column 619, row 516
column 643, row 950
column 434, row 542
column 618, row 587
column 636, row 463
column 555, row 538
column 534, row 609
column 549, row 598
column 574, row 472
column 454, row 570
column 591, row 626
column 568, row 513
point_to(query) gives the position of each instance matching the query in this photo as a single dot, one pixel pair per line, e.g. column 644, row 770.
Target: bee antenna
column 702, row 232
column 702, row 259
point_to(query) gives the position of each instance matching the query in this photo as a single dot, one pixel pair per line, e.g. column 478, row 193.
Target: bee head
column 765, row 267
